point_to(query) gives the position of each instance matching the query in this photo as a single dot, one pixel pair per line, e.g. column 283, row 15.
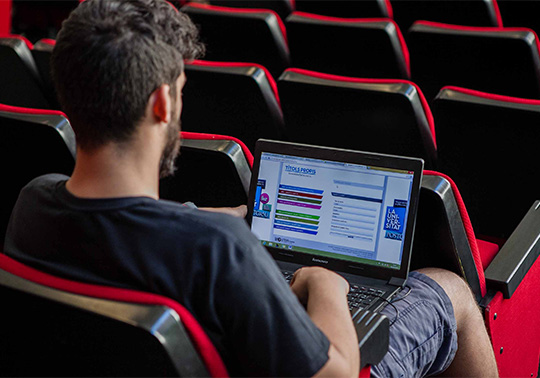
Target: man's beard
column 167, row 164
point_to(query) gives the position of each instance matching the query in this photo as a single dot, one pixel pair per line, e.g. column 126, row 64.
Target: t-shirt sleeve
column 270, row 332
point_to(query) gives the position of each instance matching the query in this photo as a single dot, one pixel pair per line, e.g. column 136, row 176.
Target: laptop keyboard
column 359, row 297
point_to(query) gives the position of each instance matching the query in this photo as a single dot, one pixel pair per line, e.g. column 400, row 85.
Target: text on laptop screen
column 332, row 209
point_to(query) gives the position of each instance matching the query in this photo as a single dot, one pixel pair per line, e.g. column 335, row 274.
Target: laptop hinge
column 396, row 281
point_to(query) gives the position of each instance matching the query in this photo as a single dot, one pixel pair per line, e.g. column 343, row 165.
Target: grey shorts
column 423, row 339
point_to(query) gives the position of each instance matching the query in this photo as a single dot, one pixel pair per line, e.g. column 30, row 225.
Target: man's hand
column 239, row 211
column 324, row 294
column 311, row 278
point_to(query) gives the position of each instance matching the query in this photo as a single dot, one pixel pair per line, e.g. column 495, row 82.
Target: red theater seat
column 346, row 8
column 505, row 61
column 506, row 289
column 378, row 115
column 282, row 7
column 487, row 143
column 466, row 12
column 236, row 99
column 213, row 171
column 361, row 47
column 33, row 142
column 59, row 327
column 20, row 83
column 242, row 35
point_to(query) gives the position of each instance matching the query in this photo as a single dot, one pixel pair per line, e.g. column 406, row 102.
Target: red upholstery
column 203, row 344
column 191, row 135
column 48, row 41
column 22, row 38
column 5, row 16
column 497, row 13
column 404, row 48
column 514, row 327
column 468, row 229
column 242, row 10
column 425, row 104
column 389, row 8
column 269, row 76
column 21, row 110
column 488, row 251
column 512, row 323
column 365, row 372
column 479, row 29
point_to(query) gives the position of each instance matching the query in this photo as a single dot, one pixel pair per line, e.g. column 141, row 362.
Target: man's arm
column 324, row 294
column 239, row 211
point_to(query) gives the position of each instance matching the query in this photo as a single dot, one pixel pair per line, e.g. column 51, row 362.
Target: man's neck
column 111, row 171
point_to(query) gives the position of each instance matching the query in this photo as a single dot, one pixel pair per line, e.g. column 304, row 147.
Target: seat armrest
column 373, row 332
column 518, row 254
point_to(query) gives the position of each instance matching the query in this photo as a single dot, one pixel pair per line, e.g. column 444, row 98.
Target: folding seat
column 497, row 60
column 32, row 143
column 282, row 7
column 505, row 281
column 235, row 99
column 242, row 35
column 346, row 8
column 379, row 115
column 41, row 52
column 20, row 84
column 371, row 47
column 213, row 171
column 58, row 327
column 468, row 12
column 61, row 327
column 487, row 144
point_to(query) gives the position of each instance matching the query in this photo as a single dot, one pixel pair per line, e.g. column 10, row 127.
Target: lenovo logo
column 319, row 261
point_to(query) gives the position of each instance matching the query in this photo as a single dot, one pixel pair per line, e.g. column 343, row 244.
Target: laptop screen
column 332, row 209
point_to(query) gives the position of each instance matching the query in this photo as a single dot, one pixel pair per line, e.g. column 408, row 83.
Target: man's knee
column 457, row 290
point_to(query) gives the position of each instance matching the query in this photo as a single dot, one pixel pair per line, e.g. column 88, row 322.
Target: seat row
column 431, row 54
column 503, row 277
column 486, row 142
column 472, row 136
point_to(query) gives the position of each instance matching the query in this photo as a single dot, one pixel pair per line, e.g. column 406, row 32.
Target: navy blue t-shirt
column 210, row 263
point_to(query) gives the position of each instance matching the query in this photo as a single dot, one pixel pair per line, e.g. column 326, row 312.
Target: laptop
column 349, row 211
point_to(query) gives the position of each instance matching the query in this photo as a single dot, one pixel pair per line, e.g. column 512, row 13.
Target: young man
column 118, row 69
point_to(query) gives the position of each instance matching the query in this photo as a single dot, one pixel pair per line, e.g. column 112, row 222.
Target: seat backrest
column 236, row 99
column 32, row 143
column 282, row 7
column 213, row 171
column 487, row 144
column 361, row 47
column 497, row 60
column 41, row 52
column 378, row 115
column 444, row 236
column 346, row 8
column 470, row 12
column 59, row 327
column 20, row 84
column 242, row 35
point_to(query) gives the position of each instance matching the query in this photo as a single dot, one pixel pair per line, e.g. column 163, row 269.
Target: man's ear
column 161, row 104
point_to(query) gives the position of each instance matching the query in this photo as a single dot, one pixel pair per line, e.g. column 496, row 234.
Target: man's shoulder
column 46, row 181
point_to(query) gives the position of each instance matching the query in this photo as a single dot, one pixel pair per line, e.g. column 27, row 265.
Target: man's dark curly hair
column 110, row 55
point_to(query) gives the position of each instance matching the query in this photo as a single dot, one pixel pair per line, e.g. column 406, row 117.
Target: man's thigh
column 423, row 339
